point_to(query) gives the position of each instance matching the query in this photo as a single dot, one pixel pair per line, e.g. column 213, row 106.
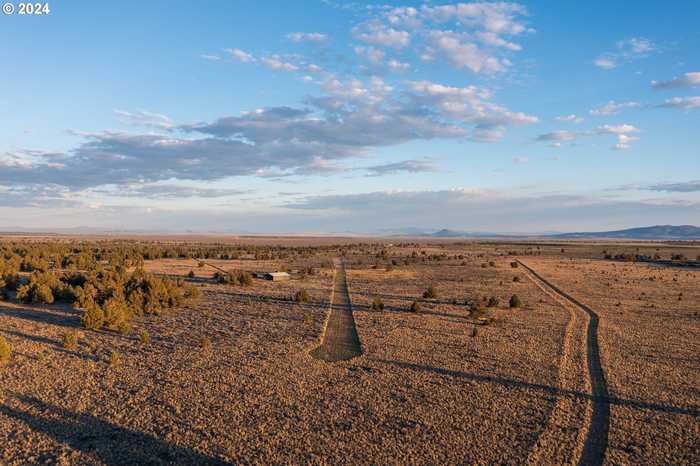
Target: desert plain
column 597, row 361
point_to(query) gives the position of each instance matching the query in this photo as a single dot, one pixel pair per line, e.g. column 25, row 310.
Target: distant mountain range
column 445, row 233
column 657, row 232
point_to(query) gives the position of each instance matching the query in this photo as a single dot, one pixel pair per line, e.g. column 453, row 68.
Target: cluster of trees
column 113, row 299
column 234, row 277
column 88, row 255
column 629, row 257
column 107, row 284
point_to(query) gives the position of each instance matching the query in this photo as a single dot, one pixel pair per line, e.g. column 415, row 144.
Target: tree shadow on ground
column 547, row 389
column 56, row 315
column 105, row 442
column 34, row 338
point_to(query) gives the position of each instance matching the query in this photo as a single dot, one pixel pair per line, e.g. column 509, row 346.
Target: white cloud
column 622, row 132
column 468, row 35
column 398, row 66
column 623, row 141
column 316, row 37
column 376, row 57
column 686, row 103
column 167, row 191
column 569, row 118
column 351, row 119
column 558, row 136
column 275, row 62
column 240, row 55
column 607, row 63
column 493, row 39
column 636, row 46
column 613, row 108
column 686, row 80
column 463, row 53
column 145, row 119
column 372, row 54
column 45, row 195
column 679, row 187
column 470, row 105
column 625, row 51
column 520, row 160
column 408, row 166
column 497, row 18
column 617, row 129
column 211, row 57
column 376, row 33
column 319, row 166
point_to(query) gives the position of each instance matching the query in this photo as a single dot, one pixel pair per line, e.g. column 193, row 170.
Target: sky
column 325, row 116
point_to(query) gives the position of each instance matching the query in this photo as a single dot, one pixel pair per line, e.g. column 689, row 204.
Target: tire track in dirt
column 581, row 338
column 340, row 341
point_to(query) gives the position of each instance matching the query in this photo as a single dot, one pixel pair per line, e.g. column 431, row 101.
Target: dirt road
column 591, row 436
column 340, row 341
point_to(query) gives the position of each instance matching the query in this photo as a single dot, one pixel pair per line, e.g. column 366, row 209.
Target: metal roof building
column 277, row 276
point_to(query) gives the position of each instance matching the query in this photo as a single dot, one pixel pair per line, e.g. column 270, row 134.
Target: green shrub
column 5, row 350
column 93, row 318
column 204, row 343
column 516, row 279
column 430, row 293
column 515, row 301
column 415, row 306
column 476, row 308
column 114, row 358
column 377, row 304
column 45, row 287
column 42, row 294
column 116, row 313
column 234, row 277
column 191, row 292
column 34, row 292
column 69, row 340
column 492, row 302
column 191, row 274
column 514, row 264
column 301, row 296
column 124, row 328
column 144, row 336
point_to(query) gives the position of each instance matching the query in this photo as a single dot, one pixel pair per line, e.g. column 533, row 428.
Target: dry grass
column 429, row 388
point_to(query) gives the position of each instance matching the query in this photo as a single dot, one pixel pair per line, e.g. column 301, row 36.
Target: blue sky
column 329, row 116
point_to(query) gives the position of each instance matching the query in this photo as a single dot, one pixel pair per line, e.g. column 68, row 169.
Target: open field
column 600, row 363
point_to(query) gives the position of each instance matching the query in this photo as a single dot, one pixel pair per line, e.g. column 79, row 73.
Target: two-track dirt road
column 579, row 367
